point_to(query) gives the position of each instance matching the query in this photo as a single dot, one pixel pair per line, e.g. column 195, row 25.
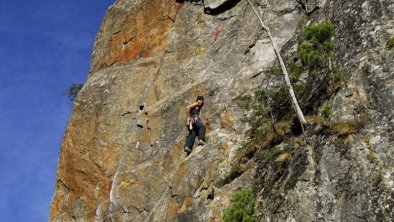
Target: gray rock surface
column 345, row 177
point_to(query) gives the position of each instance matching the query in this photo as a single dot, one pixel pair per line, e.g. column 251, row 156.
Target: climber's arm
column 190, row 107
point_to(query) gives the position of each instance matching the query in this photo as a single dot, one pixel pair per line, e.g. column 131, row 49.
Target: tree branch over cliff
column 294, row 101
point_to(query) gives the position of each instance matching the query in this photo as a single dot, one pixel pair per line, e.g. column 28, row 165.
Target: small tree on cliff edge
column 317, row 48
column 242, row 207
column 72, row 91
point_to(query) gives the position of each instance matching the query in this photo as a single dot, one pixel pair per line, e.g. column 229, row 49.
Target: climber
column 194, row 125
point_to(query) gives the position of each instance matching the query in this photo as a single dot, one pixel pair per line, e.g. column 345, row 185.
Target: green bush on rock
column 242, row 207
column 317, row 48
column 326, row 111
column 390, row 43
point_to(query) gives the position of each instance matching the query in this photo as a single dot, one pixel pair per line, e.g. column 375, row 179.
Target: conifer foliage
column 317, row 48
column 242, row 207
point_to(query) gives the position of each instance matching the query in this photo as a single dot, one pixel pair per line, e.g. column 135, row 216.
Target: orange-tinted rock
column 122, row 156
column 141, row 31
column 227, row 120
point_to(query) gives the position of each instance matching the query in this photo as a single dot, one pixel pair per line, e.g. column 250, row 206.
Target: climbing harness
column 192, row 120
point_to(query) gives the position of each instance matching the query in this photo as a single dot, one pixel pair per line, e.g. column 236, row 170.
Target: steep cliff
column 122, row 155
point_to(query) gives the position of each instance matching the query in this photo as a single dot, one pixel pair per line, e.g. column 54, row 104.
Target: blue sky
column 45, row 46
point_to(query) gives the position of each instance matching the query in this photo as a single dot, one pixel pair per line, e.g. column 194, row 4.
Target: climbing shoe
column 187, row 150
column 201, row 142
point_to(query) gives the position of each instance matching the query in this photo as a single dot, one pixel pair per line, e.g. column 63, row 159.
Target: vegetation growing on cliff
column 317, row 48
column 294, row 101
column 271, row 117
column 242, row 207
column 272, row 120
column 72, row 91
column 326, row 110
column 390, row 43
column 316, row 52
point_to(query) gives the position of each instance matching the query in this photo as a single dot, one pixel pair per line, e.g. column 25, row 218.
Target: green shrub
column 72, row 91
column 317, row 47
column 295, row 71
column 326, row 110
column 320, row 32
column 242, row 207
column 299, row 88
column 337, row 75
column 259, row 95
column 280, row 103
column 268, row 107
column 373, row 158
column 390, row 43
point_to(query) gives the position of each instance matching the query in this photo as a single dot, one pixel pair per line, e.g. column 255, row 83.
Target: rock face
column 349, row 176
column 122, row 155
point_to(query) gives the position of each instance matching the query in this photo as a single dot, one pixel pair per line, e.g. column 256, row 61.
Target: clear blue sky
column 45, row 45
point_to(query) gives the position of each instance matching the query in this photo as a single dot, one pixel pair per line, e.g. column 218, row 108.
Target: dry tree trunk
column 296, row 107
